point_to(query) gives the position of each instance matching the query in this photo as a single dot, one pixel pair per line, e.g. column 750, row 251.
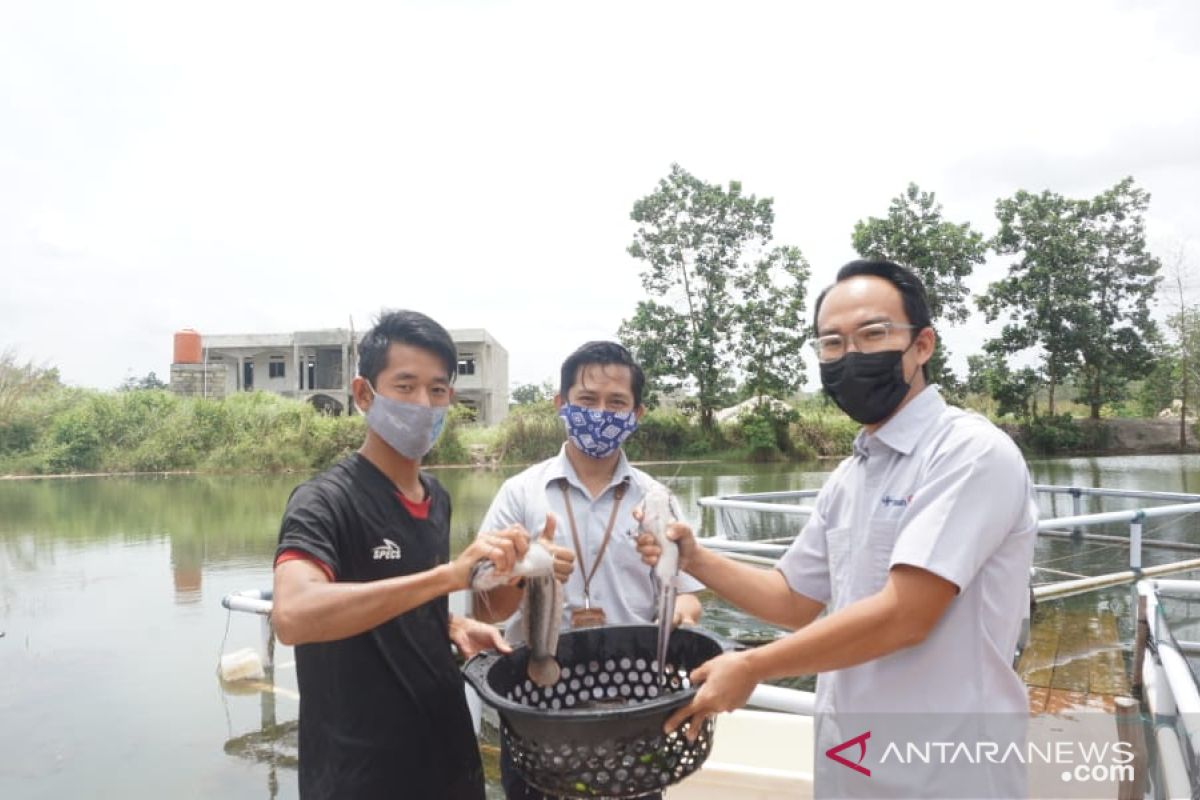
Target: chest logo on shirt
column 388, row 551
column 895, row 502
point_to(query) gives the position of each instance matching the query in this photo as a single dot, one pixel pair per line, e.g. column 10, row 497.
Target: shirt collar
column 560, row 467
column 902, row 432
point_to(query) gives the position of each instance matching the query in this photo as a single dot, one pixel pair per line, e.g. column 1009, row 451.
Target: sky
column 242, row 167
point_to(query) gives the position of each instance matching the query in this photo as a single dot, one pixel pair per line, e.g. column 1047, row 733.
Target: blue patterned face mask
column 595, row 432
column 409, row 428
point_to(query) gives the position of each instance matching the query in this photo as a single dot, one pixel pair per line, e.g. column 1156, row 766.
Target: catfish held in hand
column 657, row 511
column 542, row 606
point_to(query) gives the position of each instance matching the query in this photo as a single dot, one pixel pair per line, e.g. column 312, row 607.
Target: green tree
column 1080, row 293
column 723, row 300
column 1184, row 353
column 1015, row 392
column 24, row 391
column 658, row 337
column 527, row 394
column 1158, row 388
column 770, row 322
column 148, row 381
column 943, row 254
column 977, row 379
column 19, row 381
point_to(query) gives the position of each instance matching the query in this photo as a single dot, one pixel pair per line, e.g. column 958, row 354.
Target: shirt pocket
column 880, row 542
column 838, row 551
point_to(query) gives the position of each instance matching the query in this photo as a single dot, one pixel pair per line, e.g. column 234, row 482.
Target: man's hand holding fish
column 503, row 548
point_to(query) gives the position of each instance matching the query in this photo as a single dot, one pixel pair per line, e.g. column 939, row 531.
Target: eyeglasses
column 870, row 338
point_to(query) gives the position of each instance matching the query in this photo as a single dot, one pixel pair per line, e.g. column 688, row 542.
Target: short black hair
column 404, row 327
column 912, row 292
column 601, row 353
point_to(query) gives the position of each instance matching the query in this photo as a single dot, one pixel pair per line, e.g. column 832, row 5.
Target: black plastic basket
column 598, row 731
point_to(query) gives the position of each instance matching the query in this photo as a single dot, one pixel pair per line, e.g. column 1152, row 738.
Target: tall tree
column 943, row 254
column 1014, row 392
column 147, row 381
column 724, row 301
column 21, row 380
column 770, row 322
column 526, row 394
column 1183, row 356
column 1176, row 289
column 1080, row 293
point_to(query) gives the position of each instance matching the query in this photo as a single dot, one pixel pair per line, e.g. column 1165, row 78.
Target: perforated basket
column 597, row 732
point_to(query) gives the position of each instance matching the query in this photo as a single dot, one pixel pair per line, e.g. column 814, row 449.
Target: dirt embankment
column 1134, row 436
column 1146, row 435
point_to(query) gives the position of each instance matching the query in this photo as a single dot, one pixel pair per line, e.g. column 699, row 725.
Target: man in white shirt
column 919, row 548
column 592, row 491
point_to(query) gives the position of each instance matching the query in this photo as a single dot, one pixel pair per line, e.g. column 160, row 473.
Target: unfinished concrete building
column 318, row 367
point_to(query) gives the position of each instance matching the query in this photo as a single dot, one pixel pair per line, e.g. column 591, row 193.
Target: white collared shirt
column 623, row 585
column 942, row 489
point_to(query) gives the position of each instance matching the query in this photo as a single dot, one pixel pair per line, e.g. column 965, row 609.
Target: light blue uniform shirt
column 942, row 489
column 623, row 585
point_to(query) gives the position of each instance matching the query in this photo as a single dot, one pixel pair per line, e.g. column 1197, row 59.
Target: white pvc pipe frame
column 1170, row 689
column 793, row 701
column 1135, row 517
column 256, row 601
column 765, row 696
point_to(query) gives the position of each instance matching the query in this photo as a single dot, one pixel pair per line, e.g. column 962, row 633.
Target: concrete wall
column 485, row 387
column 328, row 372
column 328, row 369
column 497, row 383
column 197, row 380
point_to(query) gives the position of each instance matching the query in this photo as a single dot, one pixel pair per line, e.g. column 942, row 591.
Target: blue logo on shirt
column 899, row 502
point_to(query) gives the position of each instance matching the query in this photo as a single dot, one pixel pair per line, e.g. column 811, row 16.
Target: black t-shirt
column 382, row 714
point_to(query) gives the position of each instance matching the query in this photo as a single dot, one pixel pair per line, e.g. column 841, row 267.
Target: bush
column 18, row 435
column 333, row 438
column 449, row 448
column 1048, row 435
column 757, row 432
column 823, row 434
column 72, row 430
column 1062, row 433
column 529, row 434
column 78, row 437
column 665, row 434
column 763, row 432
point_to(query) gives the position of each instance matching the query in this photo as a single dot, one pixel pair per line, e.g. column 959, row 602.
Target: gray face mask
column 409, row 428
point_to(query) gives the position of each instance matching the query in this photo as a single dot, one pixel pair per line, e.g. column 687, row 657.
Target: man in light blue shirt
column 919, row 549
column 592, row 490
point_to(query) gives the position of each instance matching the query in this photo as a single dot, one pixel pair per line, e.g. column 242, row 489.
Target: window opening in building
column 312, row 371
column 248, row 375
column 466, row 364
column 275, row 369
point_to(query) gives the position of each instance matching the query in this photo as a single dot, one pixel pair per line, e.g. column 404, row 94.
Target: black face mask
column 867, row 386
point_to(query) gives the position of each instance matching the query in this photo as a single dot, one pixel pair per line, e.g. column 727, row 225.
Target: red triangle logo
column 861, row 741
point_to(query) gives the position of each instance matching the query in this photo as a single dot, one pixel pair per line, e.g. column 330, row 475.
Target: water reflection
column 273, row 744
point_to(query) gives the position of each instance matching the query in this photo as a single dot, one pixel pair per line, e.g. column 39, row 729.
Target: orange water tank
column 188, row 349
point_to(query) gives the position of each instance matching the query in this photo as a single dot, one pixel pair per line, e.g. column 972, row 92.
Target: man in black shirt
column 361, row 577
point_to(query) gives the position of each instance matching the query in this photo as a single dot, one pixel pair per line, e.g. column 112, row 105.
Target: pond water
column 112, row 626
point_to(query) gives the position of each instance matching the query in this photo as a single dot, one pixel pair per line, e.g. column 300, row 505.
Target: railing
column 766, row 554
column 256, row 601
column 1168, row 686
column 763, row 554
